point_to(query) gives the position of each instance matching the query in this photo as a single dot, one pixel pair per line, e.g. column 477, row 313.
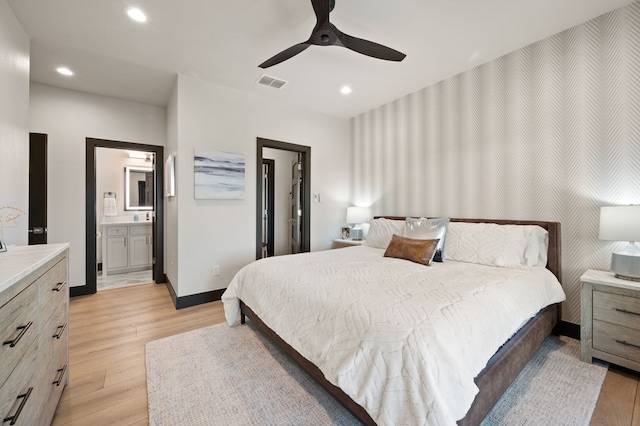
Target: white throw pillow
column 496, row 245
column 428, row 229
column 381, row 230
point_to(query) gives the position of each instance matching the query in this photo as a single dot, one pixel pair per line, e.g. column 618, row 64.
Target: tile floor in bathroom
column 123, row 280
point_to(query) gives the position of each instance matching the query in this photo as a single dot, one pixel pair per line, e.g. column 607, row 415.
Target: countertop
column 128, row 222
column 20, row 261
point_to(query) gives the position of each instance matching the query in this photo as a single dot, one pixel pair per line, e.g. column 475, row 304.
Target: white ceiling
column 223, row 42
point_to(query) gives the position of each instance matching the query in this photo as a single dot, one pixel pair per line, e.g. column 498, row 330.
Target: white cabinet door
column 117, row 256
column 139, row 250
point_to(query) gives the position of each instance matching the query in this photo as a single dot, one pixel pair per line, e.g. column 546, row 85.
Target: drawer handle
column 61, row 371
column 624, row 342
column 23, row 329
column 624, row 311
column 59, row 286
column 14, row 418
column 60, row 329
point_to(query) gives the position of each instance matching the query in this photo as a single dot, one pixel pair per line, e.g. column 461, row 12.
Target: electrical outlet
column 316, row 198
column 215, row 270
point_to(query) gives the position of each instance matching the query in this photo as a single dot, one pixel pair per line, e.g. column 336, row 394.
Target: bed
column 382, row 335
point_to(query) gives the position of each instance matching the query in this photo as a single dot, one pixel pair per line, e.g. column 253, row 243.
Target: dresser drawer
column 116, row 231
column 20, row 393
column 140, row 230
column 54, row 378
column 54, row 332
column 52, row 289
column 616, row 309
column 616, row 340
column 18, row 329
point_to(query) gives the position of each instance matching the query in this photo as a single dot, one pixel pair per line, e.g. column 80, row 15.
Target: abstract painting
column 219, row 176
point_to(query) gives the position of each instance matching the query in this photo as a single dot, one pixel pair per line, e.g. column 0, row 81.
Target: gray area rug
column 220, row 375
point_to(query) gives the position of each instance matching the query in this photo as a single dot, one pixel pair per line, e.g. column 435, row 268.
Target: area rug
column 222, row 375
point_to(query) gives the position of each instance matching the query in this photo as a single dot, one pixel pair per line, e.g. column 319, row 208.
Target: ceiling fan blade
column 284, row 55
column 322, row 9
column 367, row 47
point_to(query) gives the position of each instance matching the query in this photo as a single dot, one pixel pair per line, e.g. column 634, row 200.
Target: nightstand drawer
column 616, row 309
column 616, row 340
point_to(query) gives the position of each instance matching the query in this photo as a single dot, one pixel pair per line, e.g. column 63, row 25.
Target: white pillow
column 381, row 230
column 536, row 254
column 428, row 229
column 496, row 245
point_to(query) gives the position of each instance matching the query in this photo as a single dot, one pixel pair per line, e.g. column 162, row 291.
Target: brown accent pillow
column 419, row 251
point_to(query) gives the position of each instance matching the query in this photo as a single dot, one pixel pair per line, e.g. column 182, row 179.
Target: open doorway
column 297, row 185
column 157, row 221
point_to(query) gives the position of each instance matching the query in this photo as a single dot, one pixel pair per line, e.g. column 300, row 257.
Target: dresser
column 126, row 247
column 34, row 315
column 610, row 319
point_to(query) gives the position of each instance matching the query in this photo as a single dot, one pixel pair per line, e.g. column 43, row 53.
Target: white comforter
column 403, row 340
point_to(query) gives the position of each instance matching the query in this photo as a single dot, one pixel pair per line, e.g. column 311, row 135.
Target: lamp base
column 626, row 266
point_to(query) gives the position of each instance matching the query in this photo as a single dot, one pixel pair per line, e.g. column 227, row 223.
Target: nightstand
column 342, row 243
column 610, row 319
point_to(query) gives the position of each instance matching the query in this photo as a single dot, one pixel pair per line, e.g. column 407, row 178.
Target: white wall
column 282, row 189
column 171, row 213
column 68, row 118
column 215, row 232
column 548, row 132
column 14, row 130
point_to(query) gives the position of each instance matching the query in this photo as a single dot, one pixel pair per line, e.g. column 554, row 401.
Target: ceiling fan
column 326, row 34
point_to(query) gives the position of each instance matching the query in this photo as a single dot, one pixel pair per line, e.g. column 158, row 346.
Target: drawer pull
column 60, row 329
column 624, row 342
column 13, row 419
column 624, row 311
column 59, row 286
column 61, row 371
column 23, row 329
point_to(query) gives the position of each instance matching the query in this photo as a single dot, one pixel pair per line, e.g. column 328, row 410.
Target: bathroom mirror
column 138, row 188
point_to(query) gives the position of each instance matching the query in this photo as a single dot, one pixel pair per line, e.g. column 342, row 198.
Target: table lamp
column 357, row 216
column 622, row 223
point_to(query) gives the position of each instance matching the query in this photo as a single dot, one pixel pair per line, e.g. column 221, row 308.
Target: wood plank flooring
column 108, row 332
column 107, row 336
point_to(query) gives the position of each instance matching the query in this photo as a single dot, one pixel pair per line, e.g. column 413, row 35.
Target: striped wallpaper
column 548, row 132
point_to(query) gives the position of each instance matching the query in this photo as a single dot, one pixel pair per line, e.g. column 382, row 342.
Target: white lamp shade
column 357, row 214
column 620, row 223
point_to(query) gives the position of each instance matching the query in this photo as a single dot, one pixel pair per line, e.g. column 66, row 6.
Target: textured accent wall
column 548, row 132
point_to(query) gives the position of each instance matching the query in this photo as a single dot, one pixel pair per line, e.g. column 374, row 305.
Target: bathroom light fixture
column 622, row 223
column 357, row 216
column 136, row 14
column 345, row 90
column 64, row 71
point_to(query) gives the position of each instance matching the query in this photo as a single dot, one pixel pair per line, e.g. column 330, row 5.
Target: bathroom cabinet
column 127, row 247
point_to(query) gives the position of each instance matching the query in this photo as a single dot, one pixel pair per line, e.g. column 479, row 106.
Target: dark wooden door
column 37, row 188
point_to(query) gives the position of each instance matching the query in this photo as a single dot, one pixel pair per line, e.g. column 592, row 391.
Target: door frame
column 271, row 164
column 305, row 240
column 92, row 144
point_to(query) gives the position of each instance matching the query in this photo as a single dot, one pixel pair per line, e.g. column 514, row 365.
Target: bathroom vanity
column 126, row 247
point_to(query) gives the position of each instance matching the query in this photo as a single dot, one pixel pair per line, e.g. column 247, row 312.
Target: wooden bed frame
column 501, row 369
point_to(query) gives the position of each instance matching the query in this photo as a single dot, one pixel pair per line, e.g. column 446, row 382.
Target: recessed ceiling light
column 345, row 90
column 136, row 14
column 64, row 71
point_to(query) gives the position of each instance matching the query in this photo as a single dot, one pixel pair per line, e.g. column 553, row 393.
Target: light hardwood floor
column 108, row 332
column 107, row 336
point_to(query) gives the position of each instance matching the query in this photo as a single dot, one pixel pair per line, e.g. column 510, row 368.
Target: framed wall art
column 219, row 176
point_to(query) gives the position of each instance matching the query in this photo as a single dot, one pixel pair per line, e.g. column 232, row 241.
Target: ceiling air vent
column 271, row 81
